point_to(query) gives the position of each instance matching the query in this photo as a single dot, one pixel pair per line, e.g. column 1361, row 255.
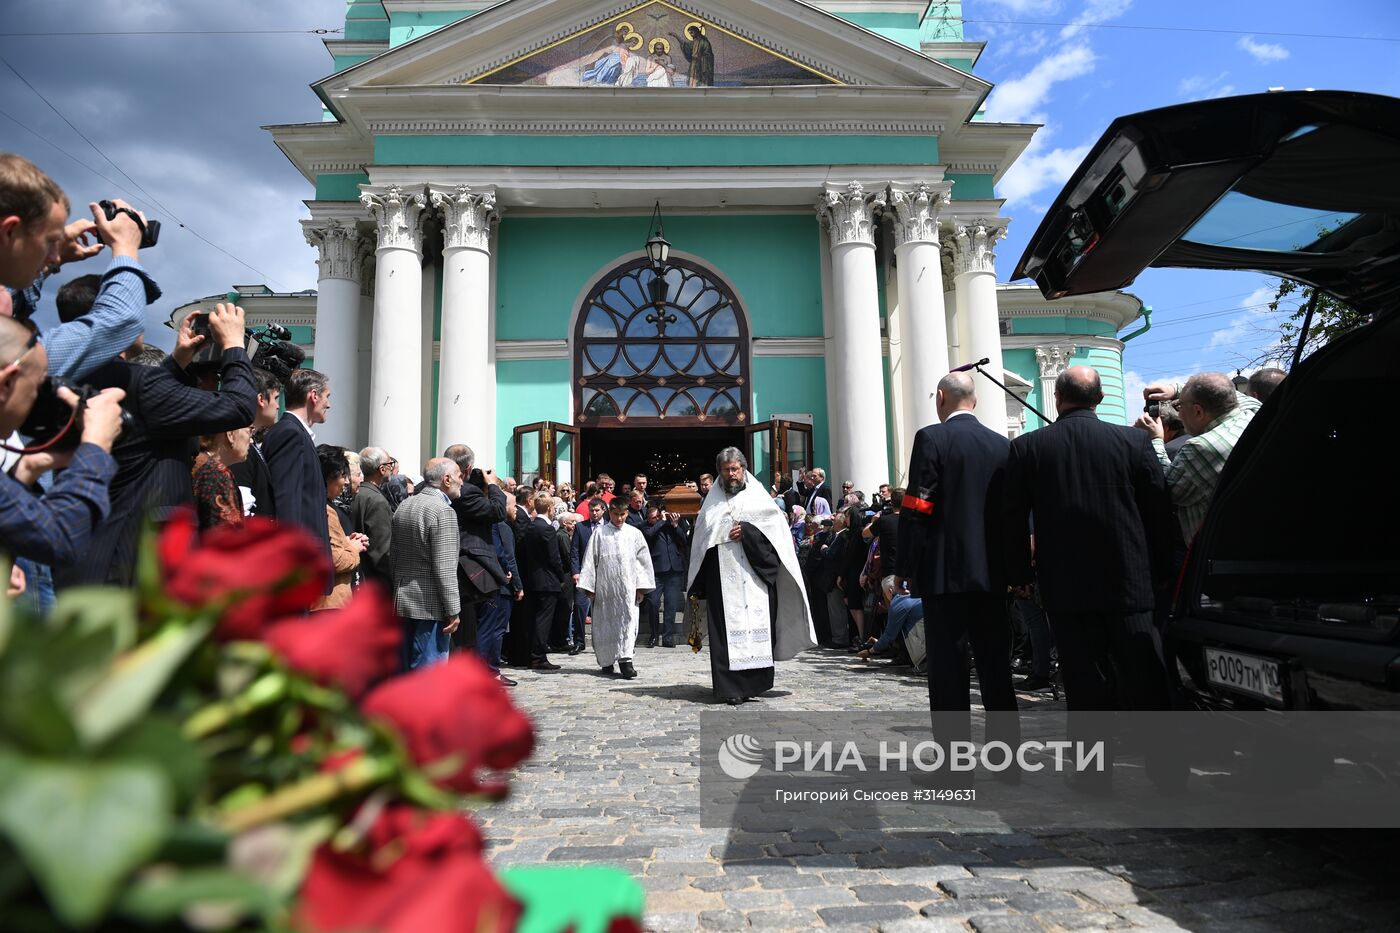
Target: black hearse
column 1290, row 595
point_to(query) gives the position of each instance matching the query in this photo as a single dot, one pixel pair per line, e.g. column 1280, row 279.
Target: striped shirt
column 1193, row 475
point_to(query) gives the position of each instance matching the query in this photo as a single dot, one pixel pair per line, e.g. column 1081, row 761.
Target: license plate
column 1245, row 673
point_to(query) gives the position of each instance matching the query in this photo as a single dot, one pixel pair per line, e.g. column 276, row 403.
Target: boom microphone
column 966, row 366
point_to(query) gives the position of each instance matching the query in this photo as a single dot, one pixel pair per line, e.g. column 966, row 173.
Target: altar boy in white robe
column 616, row 574
column 743, row 564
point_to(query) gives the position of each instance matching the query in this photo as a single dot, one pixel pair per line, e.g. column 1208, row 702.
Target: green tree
column 1331, row 319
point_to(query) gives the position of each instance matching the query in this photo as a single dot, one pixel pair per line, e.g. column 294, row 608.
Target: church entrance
column 661, row 373
column 666, row 455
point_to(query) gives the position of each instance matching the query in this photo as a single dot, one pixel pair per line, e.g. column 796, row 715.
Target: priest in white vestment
column 616, row 574
column 743, row 564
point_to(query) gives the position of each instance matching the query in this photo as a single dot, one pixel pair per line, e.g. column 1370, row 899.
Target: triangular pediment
column 583, row 43
column 658, row 45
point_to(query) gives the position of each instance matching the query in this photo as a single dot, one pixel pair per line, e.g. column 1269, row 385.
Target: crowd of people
column 1050, row 555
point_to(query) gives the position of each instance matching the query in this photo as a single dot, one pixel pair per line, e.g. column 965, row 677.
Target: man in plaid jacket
column 426, row 541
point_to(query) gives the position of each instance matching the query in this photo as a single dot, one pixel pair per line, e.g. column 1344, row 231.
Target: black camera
column 1153, row 409
column 52, row 417
column 150, row 229
column 275, row 351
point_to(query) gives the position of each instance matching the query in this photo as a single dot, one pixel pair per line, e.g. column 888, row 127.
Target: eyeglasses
column 30, row 345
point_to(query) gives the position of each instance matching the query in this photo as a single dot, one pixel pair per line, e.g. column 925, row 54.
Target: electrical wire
column 1198, row 29
column 174, row 32
column 150, row 198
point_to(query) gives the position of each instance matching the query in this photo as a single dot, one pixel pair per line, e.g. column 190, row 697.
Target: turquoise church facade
column 486, row 180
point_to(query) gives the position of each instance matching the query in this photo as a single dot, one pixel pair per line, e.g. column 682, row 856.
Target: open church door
column 548, row 449
column 779, row 448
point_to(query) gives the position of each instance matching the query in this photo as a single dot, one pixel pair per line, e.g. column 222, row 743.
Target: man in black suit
column 668, row 538
column 478, row 508
column 578, row 547
column 1102, row 529
column 170, row 406
column 950, row 546
column 544, row 573
column 252, row 472
column 290, row 448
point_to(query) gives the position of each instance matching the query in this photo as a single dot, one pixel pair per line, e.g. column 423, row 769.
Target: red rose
column 259, row 571
column 352, row 648
column 459, row 710
column 418, row 872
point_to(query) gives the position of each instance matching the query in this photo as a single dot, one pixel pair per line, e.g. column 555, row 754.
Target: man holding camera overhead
column 34, row 243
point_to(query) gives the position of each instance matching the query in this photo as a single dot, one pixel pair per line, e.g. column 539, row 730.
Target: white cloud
column 1019, row 99
column 1253, row 332
column 1095, row 12
column 1039, row 168
column 1022, row 7
column 1204, row 87
column 1263, row 52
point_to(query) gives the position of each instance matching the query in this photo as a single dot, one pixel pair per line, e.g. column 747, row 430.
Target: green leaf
column 83, row 827
column 161, row 896
column 159, row 740
column 135, row 681
column 96, row 607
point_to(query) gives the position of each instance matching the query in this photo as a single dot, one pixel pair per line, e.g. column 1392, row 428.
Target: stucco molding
column 1053, row 359
column 789, row 346
column 398, row 215
column 1081, row 341
column 915, row 210
column 338, row 246
column 467, row 216
column 849, row 213
column 570, row 125
column 974, row 243
column 508, row 350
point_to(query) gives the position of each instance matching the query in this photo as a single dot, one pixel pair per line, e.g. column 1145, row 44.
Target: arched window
column 672, row 353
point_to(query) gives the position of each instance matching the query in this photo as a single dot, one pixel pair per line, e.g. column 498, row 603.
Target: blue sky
column 1076, row 79
column 180, row 115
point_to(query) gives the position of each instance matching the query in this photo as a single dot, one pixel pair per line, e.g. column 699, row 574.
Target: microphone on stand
column 998, row 383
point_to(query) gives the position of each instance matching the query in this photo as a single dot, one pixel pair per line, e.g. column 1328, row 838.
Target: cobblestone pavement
column 613, row 781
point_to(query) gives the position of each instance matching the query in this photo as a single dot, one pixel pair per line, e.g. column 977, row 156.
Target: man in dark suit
column 544, row 573
column 478, row 508
column 170, row 406
column 578, row 547
column 669, row 542
column 372, row 516
column 290, row 449
column 252, row 472
column 950, row 546
column 1102, row 537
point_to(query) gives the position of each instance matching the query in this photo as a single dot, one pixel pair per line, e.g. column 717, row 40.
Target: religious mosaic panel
column 654, row 45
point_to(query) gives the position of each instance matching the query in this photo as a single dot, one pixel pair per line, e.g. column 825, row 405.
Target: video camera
column 150, row 229
column 275, row 352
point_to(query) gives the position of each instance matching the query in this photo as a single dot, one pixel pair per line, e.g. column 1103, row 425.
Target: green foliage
column 1331, row 317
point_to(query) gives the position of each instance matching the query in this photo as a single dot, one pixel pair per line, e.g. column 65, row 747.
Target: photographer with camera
column 53, row 527
column 34, row 243
column 191, row 393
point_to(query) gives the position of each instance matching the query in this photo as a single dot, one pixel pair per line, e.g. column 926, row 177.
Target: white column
column 950, row 300
column 336, row 349
column 836, row 464
column 923, row 324
column 464, row 415
column 859, row 363
column 1052, row 361
column 396, row 368
column 976, row 287
column 366, row 340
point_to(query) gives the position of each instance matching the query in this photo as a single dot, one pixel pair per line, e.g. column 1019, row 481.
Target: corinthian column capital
column 338, row 243
column 1053, row 360
column 915, row 211
column 398, row 214
column 467, row 216
column 975, row 244
column 849, row 213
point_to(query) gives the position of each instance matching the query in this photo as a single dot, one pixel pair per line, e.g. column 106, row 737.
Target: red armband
column 922, row 506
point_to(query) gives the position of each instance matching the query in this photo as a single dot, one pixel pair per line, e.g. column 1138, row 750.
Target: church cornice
column 689, row 127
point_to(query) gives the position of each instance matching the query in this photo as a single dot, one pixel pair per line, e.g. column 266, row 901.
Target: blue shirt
column 55, row 528
column 905, row 613
column 117, row 318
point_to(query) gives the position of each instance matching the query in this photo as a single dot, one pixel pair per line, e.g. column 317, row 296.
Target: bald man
column 950, row 548
column 1102, row 538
